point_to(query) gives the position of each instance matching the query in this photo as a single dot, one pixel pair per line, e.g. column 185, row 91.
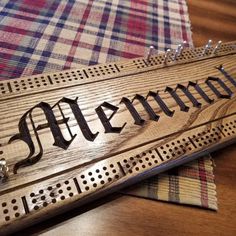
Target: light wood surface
column 128, row 215
column 58, row 174
column 123, row 215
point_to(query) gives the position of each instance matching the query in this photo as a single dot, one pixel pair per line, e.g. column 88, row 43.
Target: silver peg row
column 217, row 47
column 208, row 46
column 179, row 50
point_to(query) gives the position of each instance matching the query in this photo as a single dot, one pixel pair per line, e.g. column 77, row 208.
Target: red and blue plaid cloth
column 51, row 35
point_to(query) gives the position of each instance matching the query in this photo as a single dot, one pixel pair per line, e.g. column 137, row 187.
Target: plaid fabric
column 192, row 183
column 52, row 35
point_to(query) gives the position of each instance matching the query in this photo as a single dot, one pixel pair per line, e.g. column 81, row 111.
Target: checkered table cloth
column 52, row 35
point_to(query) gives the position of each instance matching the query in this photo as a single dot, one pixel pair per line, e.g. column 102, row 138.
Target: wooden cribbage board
column 184, row 108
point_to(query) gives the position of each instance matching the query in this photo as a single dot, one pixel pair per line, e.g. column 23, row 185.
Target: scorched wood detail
column 73, row 136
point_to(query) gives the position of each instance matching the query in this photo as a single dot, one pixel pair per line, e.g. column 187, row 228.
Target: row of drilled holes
column 175, row 148
column 42, row 81
column 19, row 85
column 29, row 83
column 6, row 210
column 170, row 150
column 95, row 71
column 84, row 181
column 142, row 160
column 228, row 128
column 188, row 54
column 3, row 88
column 99, row 175
column 51, row 193
column 207, row 137
column 68, row 76
column 84, row 74
column 212, row 134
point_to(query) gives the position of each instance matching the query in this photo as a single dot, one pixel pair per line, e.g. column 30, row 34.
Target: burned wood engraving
column 70, row 137
column 61, row 142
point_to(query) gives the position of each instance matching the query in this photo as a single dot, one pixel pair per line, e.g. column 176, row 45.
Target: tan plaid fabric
column 192, row 183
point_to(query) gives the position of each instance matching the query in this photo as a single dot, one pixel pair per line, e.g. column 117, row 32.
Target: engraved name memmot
column 53, row 123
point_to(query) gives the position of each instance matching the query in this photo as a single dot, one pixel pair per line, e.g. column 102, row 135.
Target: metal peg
column 217, row 47
column 3, row 170
column 207, row 47
column 150, row 53
column 184, row 44
column 167, row 55
column 179, row 50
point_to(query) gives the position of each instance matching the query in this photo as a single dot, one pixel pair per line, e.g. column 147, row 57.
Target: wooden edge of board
column 41, row 200
column 129, row 169
column 45, row 82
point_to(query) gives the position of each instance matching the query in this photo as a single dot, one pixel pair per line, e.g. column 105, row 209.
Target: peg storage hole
column 98, row 176
column 68, row 76
column 175, row 148
column 229, row 128
column 29, row 83
column 3, row 88
column 142, row 161
column 52, row 194
column 11, row 209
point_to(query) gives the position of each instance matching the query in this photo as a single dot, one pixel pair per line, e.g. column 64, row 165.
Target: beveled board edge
column 43, row 200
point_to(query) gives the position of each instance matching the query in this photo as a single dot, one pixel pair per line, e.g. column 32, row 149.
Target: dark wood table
column 124, row 215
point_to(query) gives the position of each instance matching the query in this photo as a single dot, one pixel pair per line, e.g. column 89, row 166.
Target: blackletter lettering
column 106, row 120
column 80, row 118
column 161, row 103
column 25, row 136
column 215, row 90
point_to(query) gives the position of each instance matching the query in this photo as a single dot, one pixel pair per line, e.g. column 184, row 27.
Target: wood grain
column 123, row 215
column 90, row 168
column 212, row 20
column 132, row 134
column 155, row 218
